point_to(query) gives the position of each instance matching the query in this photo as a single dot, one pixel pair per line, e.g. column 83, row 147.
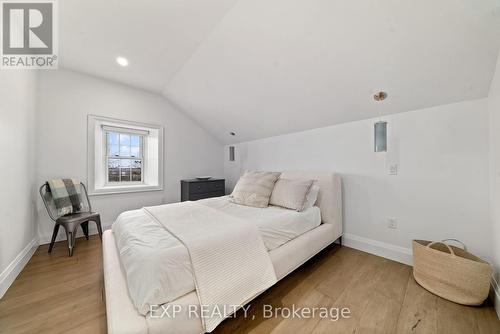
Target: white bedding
column 276, row 225
column 217, row 244
column 158, row 266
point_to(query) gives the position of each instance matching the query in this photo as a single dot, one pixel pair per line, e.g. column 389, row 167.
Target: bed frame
column 123, row 318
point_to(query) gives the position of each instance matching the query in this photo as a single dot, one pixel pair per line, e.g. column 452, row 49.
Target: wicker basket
column 451, row 272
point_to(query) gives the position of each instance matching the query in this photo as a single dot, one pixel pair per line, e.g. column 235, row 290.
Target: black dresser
column 194, row 189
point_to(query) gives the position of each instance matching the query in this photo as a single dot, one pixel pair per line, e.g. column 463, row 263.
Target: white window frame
column 144, row 137
column 151, row 149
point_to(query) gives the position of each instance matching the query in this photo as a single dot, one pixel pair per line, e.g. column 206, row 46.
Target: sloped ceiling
column 156, row 36
column 267, row 67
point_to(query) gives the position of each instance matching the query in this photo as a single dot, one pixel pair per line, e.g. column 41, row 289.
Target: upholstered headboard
column 329, row 197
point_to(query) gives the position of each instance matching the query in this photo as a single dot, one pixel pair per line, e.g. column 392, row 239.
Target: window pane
column 135, row 140
column 125, row 174
column 112, row 143
column 124, row 151
column 134, row 151
column 113, row 150
column 113, row 170
column 112, row 138
column 124, row 139
column 136, row 174
column 125, row 170
column 113, row 163
column 125, row 163
column 124, row 145
column 137, row 170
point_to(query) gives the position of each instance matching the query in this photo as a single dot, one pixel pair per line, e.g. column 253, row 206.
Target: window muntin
column 124, row 157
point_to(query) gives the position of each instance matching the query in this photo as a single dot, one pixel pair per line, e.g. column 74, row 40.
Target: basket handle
column 444, row 243
column 458, row 241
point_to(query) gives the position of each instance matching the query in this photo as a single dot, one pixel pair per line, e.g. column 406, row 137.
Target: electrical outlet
column 393, row 169
column 392, row 223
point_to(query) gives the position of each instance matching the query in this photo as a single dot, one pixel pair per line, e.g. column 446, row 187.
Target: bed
column 290, row 240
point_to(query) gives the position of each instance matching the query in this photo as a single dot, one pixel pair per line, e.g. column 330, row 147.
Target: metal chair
column 70, row 222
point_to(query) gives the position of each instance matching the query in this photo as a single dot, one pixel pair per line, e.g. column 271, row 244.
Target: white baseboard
column 10, row 273
column 45, row 239
column 388, row 251
column 495, row 295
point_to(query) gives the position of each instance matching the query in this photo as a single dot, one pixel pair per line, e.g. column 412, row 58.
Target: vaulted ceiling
column 267, row 67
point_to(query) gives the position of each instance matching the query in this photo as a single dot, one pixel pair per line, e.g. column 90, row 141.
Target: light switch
column 393, row 169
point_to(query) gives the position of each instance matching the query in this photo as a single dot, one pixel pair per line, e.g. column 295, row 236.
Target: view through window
column 125, row 160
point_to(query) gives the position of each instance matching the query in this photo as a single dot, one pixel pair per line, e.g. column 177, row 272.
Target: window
column 124, row 156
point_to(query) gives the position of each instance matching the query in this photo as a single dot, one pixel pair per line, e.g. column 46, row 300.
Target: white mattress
column 156, row 261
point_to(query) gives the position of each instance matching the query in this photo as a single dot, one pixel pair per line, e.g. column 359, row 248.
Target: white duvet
column 158, row 266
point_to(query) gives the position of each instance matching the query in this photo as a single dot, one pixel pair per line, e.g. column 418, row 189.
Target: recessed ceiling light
column 122, row 61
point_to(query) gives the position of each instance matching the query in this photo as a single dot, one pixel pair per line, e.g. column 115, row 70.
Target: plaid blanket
column 66, row 194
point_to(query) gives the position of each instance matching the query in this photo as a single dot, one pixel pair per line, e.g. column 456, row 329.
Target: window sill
column 124, row 189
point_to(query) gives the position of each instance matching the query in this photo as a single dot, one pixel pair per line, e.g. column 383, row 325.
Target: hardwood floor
column 57, row 294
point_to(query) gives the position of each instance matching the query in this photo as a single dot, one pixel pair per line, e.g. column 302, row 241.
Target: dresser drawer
column 195, row 197
column 216, row 186
column 199, row 187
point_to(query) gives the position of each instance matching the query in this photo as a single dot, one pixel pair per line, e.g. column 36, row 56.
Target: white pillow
column 254, row 188
column 311, row 197
column 290, row 194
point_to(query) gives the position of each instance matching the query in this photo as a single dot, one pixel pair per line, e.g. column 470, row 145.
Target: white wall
column 442, row 187
column 17, row 138
column 494, row 122
column 65, row 100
